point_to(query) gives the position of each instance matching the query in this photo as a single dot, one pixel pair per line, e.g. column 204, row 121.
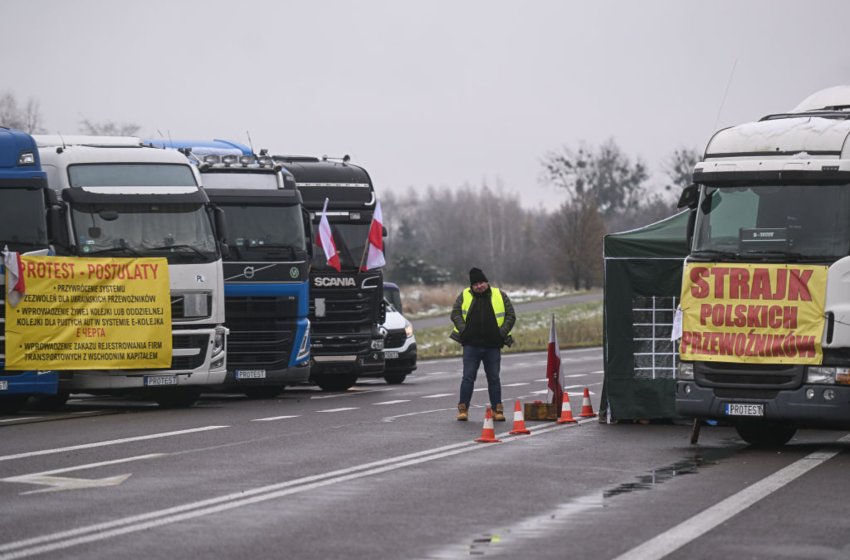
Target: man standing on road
column 483, row 319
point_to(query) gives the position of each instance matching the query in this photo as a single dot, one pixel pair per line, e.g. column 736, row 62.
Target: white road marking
column 22, row 418
column 169, row 516
column 576, row 375
column 438, row 395
column 479, row 389
column 110, row 442
column 514, row 384
column 271, row 418
column 701, row 523
column 437, row 373
column 340, row 409
column 596, row 372
column 57, row 483
column 390, row 402
column 349, row 393
column 542, row 380
column 540, row 392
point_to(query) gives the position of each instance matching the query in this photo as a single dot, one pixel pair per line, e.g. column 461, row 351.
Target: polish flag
column 375, row 257
column 326, row 240
column 553, row 369
column 15, row 287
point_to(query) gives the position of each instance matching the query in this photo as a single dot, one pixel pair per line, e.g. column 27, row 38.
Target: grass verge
column 577, row 326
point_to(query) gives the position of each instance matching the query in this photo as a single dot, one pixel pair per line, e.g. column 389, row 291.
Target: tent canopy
column 643, row 282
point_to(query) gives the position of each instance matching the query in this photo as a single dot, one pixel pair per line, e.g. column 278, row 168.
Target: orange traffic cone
column 586, row 407
column 519, row 421
column 567, row 412
column 488, row 435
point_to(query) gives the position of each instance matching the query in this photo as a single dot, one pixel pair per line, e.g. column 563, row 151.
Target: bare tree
column 27, row 118
column 679, row 167
column 577, row 230
column 108, row 128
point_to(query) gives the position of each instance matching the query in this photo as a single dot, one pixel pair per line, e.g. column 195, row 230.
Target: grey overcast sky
column 421, row 93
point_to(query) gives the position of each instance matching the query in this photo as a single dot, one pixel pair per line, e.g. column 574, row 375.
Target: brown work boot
column 499, row 413
column 463, row 412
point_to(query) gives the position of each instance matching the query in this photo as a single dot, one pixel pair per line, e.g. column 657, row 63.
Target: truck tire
column 262, row 391
column 50, row 402
column 766, row 433
column 336, row 382
column 395, row 378
column 10, row 404
column 177, row 397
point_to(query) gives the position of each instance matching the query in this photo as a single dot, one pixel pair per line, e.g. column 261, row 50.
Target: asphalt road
column 385, row 472
column 445, row 321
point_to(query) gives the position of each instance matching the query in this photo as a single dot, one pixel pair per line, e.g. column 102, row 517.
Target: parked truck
column 119, row 199
column 266, row 293
column 24, row 201
column 765, row 336
column 346, row 307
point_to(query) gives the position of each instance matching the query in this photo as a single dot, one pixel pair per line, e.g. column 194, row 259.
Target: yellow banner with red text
column 753, row 313
column 89, row 313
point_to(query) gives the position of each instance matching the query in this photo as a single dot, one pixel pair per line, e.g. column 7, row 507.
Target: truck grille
column 395, row 339
column 182, row 342
column 343, row 307
column 345, row 344
column 255, row 345
column 251, row 308
column 178, row 309
column 749, row 376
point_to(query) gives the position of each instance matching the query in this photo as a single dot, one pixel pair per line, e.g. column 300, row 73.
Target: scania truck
column 765, row 308
column 24, row 201
column 346, row 307
column 266, row 294
column 120, row 199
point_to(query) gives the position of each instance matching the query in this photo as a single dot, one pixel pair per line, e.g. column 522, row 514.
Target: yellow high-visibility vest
column 495, row 299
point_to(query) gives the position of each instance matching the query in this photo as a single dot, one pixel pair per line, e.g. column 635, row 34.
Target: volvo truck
column 266, row 293
column 24, row 203
column 120, row 199
column 765, row 308
column 346, row 306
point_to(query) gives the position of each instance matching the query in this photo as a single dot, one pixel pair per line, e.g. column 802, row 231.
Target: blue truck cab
column 24, row 203
column 267, row 269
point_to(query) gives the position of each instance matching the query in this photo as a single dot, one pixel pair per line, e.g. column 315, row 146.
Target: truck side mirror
column 220, row 225
column 689, row 197
column 384, row 231
column 58, row 229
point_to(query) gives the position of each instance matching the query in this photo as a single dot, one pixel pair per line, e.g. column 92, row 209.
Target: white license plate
column 390, row 354
column 4, row 385
column 744, row 409
column 160, row 380
column 250, row 374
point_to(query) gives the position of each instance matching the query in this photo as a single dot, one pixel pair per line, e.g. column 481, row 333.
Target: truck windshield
column 131, row 175
column 22, row 221
column 350, row 240
column 177, row 231
column 781, row 222
column 264, row 232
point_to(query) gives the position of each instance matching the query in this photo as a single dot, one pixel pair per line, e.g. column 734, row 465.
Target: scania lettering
column 265, row 267
column 346, row 308
column 24, row 199
column 765, row 341
column 121, row 199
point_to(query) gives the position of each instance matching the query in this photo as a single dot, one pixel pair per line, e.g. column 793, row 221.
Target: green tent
column 643, row 282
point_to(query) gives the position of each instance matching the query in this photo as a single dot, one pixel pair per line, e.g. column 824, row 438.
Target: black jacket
column 480, row 327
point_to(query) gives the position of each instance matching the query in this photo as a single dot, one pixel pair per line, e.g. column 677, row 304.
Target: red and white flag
column 553, row 369
column 375, row 258
column 326, row 240
column 15, row 287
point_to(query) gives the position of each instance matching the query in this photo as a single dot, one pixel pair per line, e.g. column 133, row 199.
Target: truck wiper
column 790, row 255
column 711, row 254
column 125, row 248
column 169, row 247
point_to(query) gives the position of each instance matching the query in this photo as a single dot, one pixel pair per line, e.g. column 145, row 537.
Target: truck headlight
column 828, row 375
column 304, row 349
column 218, row 341
column 686, row 370
column 26, row 158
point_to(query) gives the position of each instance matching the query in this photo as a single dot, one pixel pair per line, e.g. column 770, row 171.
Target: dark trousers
column 473, row 356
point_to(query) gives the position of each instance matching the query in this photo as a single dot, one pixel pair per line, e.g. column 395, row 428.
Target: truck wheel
column 336, row 382
column 177, row 397
column 766, row 434
column 10, row 404
column 50, row 402
column 263, row 391
column 395, row 378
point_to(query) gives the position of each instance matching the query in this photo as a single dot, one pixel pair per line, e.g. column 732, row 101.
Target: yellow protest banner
column 753, row 313
column 85, row 313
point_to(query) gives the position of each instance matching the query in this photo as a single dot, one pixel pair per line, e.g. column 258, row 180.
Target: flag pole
column 365, row 248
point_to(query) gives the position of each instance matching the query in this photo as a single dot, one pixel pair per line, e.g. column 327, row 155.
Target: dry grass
column 422, row 301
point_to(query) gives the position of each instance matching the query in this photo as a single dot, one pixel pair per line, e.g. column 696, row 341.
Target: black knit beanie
column 476, row 275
